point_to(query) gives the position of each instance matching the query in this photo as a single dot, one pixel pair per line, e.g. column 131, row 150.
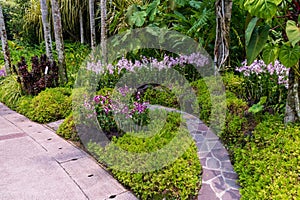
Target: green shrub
column 50, row 105
column 203, row 98
column 234, row 84
column 268, row 165
column 178, row 180
column 24, row 105
column 68, row 129
column 235, row 126
column 160, row 96
column 10, row 91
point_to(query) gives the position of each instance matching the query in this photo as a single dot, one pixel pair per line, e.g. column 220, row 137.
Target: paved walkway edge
column 72, row 163
column 219, row 181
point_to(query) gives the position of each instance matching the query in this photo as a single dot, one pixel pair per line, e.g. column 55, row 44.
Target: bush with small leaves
column 180, row 179
column 50, row 105
column 68, row 129
column 268, row 165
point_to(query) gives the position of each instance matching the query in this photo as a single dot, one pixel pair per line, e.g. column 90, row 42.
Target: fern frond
column 202, row 20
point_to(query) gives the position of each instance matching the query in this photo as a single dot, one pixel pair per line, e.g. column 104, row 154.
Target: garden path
column 35, row 163
column 218, row 178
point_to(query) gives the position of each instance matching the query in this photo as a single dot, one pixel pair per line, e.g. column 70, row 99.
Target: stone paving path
column 218, row 178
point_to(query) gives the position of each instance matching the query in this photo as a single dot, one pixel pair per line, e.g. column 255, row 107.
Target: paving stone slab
column 94, row 181
column 218, row 177
column 27, row 173
column 36, row 163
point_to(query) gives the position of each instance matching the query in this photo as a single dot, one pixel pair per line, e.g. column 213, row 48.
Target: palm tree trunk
column 103, row 31
column 221, row 51
column 81, row 26
column 92, row 23
column 5, row 48
column 292, row 110
column 46, row 27
column 58, row 32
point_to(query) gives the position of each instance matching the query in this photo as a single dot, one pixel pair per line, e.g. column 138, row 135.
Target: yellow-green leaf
column 293, row 32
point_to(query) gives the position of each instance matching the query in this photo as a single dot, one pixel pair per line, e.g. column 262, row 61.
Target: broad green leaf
column 138, row 18
column 152, row 15
column 257, row 42
column 270, row 54
column 152, row 10
column 265, row 9
column 250, row 29
column 256, row 108
column 289, row 56
column 130, row 11
column 293, row 32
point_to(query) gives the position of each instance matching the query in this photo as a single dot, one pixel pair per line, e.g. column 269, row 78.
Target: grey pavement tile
column 27, row 172
column 12, row 136
column 209, row 174
column 226, row 166
column 7, row 128
column 218, row 184
column 206, row 193
column 212, row 163
column 202, row 127
column 93, row 180
column 221, row 154
column 230, row 175
column 231, row 195
column 232, row 183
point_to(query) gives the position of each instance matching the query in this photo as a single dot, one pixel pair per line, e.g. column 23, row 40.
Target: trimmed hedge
column 179, row 180
column 67, row 129
column 50, row 105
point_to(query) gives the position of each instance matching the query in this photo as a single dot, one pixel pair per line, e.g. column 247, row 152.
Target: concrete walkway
column 36, row 164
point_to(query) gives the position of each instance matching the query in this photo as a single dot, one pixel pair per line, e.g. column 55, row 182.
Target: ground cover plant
column 178, row 180
column 263, row 150
column 268, row 165
column 261, row 78
column 122, row 120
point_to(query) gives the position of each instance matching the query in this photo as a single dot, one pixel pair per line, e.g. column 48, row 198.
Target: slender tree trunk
column 81, row 26
column 92, row 23
column 103, row 31
column 46, row 27
column 58, row 32
column 5, row 48
column 292, row 112
column 221, row 51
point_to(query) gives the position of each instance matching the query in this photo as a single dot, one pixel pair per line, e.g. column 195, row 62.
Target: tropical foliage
column 261, row 79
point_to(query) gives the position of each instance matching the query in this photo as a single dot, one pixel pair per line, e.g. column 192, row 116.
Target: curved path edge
column 219, row 181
